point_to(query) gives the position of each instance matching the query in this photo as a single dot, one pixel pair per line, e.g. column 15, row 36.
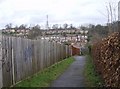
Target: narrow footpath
column 73, row 76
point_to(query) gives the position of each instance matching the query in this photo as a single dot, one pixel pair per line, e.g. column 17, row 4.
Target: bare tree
column 65, row 26
column 23, row 26
column 111, row 12
column 8, row 26
column 55, row 26
column 111, row 9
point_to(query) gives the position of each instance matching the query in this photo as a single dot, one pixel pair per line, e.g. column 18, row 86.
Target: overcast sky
column 74, row 12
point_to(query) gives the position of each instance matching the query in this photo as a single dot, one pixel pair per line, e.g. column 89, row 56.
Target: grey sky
column 75, row 12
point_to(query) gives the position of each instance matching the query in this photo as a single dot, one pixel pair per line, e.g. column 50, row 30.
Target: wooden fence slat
column 25, row 57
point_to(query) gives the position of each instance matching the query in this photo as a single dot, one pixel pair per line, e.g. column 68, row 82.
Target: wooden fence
column 22, row 58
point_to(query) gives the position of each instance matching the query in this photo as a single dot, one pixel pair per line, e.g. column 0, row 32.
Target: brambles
column 106, row 56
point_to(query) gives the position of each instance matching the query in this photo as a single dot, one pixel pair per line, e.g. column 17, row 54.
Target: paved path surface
column 73, row 76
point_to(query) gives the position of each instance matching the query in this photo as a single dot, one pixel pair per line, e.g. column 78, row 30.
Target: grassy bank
column 92, row 78
column 44, row 78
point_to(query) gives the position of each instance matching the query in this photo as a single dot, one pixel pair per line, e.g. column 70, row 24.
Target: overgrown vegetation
column 44, row 78
column 106, row 55
column 92, row 78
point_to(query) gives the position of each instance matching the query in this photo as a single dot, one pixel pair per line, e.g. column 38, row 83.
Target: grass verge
column 92, row 78
column 45, row 77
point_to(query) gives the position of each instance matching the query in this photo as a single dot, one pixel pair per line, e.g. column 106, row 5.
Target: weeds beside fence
column 91, row 76
column 22, row 58
column 47, row 76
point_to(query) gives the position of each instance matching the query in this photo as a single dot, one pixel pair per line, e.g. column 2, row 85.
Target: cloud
column 59, row 11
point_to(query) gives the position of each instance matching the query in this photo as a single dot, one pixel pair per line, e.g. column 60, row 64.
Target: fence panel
column 25, row 57
column 7, row 63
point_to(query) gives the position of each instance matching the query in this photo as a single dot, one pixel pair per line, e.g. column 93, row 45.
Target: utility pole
column 119, row 16
column 47, row 23
column 119, row 11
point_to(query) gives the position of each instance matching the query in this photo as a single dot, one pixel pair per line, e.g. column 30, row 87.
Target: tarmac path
column 73, row 76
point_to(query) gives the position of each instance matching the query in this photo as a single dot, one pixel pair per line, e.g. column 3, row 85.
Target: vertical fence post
column 1, row 83
column 13, row 69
